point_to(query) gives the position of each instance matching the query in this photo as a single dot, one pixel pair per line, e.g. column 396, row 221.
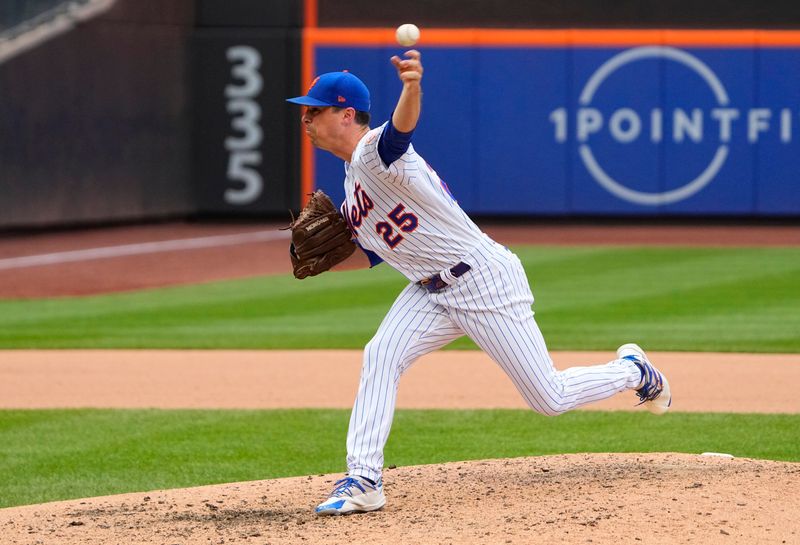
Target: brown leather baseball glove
column 321, row 237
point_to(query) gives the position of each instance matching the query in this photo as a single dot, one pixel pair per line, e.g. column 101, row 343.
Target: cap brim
column 307, row 101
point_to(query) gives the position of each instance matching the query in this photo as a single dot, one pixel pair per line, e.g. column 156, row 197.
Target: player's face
column 323, row 125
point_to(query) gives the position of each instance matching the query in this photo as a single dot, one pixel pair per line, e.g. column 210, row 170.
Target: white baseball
column 407, row 34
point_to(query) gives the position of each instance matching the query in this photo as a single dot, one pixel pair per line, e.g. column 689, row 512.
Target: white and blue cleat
column 353, row 495
column 653, row 391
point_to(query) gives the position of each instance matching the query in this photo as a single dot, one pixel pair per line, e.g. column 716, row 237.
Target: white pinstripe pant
column 492, row 305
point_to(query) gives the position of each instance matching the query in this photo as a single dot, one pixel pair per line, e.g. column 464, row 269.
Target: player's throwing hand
column 409, row 70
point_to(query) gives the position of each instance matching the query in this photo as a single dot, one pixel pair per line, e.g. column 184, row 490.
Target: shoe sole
column 656, row 406
column 348, row 508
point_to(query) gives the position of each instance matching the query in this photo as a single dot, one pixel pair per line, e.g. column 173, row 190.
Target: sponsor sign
column 640, row 130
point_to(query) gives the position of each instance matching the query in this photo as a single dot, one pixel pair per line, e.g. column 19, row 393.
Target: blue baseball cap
column 340, row 89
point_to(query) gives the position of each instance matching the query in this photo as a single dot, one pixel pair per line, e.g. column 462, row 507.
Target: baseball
column 407, row 34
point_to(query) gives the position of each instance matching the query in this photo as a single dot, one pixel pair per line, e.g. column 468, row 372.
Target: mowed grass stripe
column 47, row 455
column 590, row 298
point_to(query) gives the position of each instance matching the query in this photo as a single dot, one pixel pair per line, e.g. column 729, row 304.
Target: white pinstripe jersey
column 405, row 213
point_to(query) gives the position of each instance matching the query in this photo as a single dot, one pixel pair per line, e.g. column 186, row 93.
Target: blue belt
column 435, row 282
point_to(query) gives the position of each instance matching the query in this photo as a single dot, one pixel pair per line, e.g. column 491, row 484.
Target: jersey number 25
column 405, row 221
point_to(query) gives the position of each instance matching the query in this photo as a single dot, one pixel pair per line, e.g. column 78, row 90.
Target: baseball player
column 461, row 282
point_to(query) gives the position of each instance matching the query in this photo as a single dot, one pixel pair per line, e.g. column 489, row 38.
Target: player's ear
column 349, row 115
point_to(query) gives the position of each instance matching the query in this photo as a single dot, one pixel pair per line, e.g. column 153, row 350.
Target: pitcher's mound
column 579, row 498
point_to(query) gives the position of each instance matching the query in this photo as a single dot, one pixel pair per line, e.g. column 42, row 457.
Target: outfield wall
column 95, row 118
column 151, row 110
column 595, row 123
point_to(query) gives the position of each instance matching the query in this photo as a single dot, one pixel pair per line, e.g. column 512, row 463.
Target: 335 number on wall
column 243, row 145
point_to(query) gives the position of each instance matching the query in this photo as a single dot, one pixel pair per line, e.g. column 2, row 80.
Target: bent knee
column 549, row 406
column 549, row 410
column 382, row 354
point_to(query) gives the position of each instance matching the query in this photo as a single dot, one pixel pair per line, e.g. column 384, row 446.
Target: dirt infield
column 572, row 499
column 599, row 498
column 248, row 379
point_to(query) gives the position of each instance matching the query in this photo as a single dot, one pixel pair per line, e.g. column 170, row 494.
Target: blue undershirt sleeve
column 374, row 259
column 393, row 143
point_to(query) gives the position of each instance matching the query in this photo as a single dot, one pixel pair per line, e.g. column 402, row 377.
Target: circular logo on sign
column 606, row 70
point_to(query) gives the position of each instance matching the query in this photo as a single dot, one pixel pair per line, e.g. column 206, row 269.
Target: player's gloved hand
column 321, row 238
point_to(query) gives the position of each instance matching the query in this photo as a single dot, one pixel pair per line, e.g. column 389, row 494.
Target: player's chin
column 317, row 142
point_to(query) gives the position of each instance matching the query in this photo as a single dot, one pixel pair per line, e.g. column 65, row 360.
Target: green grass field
column 698, row 299
column 50, row 455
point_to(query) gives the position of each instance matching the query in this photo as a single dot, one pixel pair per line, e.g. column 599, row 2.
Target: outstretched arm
column 358, row 260
column 409, row 70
